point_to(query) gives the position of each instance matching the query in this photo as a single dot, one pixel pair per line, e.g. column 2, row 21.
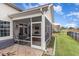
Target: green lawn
column 66, row 46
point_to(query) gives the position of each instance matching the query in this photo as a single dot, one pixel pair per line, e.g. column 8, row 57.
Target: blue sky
column 25, row 6
column 65, row 14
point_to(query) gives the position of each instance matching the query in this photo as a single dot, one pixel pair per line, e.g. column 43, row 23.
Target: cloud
column 75, row 20
column 31, row 6
column 74, row 14
column 42, row 3
column 58, row 9
column 36, row 5
column 25, row 6
column 77, row 4
column 71, row 25
column 76, row 9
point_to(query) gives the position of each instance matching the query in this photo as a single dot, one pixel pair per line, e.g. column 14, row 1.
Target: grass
column 66, row 46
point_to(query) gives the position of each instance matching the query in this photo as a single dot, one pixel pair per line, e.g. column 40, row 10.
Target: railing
column 74, row 35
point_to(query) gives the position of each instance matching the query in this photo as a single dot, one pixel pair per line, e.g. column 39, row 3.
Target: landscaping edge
column 54, row 48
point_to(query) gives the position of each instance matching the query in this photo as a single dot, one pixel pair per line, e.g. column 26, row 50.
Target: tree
column 63, row 27
column 71, row 28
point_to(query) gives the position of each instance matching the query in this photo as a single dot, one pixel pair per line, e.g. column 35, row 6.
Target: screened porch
column 28, row 31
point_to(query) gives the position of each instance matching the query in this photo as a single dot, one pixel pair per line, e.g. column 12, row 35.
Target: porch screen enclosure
column 36, row 26
column 36, row 32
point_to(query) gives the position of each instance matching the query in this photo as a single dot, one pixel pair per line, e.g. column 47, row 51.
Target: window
column 4, row 28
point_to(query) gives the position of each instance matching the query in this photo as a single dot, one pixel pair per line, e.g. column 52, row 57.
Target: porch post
column 31, row 30
column 43, row 43
column 11, row 29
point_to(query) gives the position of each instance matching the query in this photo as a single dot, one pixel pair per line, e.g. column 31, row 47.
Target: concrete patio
column 20, row 50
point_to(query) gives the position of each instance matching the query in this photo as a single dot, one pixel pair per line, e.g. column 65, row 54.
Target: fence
column 74, row 35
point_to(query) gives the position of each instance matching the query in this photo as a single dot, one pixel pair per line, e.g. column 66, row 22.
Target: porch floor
column 20, row 50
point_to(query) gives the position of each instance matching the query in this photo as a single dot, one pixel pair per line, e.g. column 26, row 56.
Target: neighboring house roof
column 13, row 6
column 55, row 23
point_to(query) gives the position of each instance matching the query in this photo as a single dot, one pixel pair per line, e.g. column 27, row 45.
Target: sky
column 65, row 14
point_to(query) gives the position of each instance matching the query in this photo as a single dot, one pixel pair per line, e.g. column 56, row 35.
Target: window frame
column 4, row 28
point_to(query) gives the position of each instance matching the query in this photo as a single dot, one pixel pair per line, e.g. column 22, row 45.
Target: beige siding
column 49, row 13
column 5, row 10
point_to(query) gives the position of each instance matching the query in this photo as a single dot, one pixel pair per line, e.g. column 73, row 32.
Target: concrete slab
column 20, row 50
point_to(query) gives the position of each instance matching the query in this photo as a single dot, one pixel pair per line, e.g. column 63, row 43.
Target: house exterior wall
column 49, row 13
column 56, row 28
column 5, row 10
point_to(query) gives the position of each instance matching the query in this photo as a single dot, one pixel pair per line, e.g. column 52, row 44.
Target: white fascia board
column 29, row 16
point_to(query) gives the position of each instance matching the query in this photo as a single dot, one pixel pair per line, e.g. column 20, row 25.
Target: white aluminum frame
column 43, row 43
column 34, row 46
